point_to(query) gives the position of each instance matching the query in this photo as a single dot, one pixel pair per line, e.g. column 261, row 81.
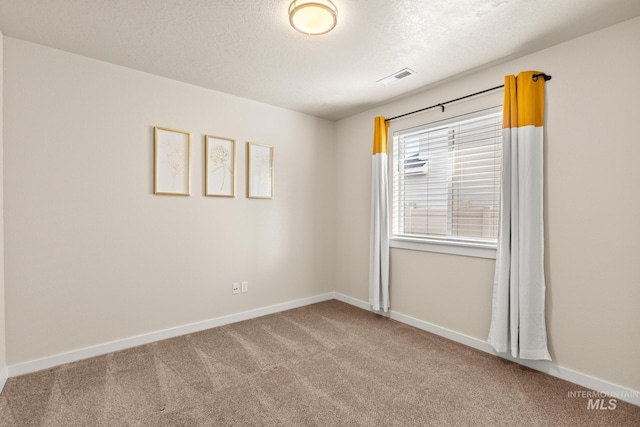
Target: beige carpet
column 328, row 364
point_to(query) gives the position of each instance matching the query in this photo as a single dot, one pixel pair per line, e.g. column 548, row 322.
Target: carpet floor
column 326, row 364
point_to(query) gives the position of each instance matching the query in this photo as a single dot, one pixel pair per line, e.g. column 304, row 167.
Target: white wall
column 591, row 213
column 92, row 256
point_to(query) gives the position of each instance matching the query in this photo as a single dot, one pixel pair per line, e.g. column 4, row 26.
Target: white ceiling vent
column 395, row 77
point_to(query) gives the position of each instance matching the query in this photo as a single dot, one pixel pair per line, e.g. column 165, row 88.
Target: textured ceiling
column 247, row 48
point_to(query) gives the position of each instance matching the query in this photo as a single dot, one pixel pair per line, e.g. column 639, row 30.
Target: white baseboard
column 596, row 384
column 353, row 301
column 4, row 376
column 98, row 350
column 613, row 390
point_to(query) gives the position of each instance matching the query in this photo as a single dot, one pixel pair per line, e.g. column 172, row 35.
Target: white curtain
column 379, row 254
column 518, row 316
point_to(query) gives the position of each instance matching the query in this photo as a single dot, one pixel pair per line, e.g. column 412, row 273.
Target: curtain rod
column 442, row 104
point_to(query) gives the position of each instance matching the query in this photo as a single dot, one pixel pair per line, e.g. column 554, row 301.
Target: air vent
column 393, row 78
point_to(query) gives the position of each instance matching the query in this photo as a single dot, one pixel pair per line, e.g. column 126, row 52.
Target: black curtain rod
column 442, row 104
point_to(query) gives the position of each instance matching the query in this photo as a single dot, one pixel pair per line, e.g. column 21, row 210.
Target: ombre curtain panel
column 379, row 244
column 518, row 314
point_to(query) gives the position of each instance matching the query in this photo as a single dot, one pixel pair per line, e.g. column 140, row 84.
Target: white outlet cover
column 245, row 287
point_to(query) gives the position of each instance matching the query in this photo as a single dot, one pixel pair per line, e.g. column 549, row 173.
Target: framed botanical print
column 220, row 159
column 260, row 171
column 172, row 161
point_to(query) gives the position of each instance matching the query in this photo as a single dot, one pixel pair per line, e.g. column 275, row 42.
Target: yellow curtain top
column 523, row 100
column 380, row 135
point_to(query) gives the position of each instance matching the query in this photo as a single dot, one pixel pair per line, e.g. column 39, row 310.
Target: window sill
column 477, row 250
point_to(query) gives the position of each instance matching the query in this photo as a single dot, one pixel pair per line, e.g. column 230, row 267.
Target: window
column 446, row 181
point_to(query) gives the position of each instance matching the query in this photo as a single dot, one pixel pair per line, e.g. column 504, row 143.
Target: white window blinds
column 446, row 179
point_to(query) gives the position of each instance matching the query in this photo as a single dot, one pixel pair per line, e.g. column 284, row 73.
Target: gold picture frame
column 259, row 171
column 172, row 161
column 219, row 166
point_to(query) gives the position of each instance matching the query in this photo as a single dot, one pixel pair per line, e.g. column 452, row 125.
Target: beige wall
column 3, row 354
column 592, row 209
column 93, row 256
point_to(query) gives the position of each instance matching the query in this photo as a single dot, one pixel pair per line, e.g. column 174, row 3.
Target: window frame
column 433, row 244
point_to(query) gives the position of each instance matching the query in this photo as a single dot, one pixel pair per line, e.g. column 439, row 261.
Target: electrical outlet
column 245, row 287
column 235, row 288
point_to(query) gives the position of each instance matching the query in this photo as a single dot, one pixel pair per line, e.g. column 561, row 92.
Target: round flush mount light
column 313, row 17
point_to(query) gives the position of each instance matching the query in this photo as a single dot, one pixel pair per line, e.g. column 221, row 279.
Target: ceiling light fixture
column 313, row 17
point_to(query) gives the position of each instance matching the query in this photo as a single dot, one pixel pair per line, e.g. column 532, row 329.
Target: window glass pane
column 446, row 179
